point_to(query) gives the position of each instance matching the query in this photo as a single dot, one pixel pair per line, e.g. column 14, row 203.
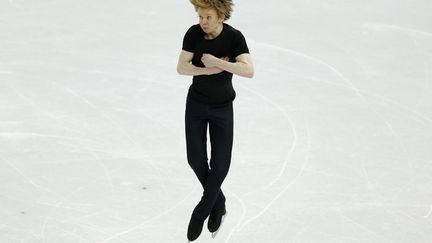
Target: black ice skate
column 194, row 228
column 216, row 219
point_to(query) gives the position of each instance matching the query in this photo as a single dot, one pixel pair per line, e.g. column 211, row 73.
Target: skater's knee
column 196, row 159
column 198, row 164
column 220, row 171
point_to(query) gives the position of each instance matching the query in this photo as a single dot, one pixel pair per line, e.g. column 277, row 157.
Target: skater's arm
column 242, row 67
column 185, row 67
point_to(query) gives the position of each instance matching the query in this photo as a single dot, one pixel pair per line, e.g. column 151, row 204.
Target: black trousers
column 219, row 120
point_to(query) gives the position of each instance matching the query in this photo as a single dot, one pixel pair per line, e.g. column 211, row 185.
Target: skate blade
column 223, row 219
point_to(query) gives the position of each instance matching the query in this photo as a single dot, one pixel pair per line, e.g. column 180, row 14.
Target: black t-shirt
column 217, row 88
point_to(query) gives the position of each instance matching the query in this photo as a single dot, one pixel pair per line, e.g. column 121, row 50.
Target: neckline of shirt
column 224, row 26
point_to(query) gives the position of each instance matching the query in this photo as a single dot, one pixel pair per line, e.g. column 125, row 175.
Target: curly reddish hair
column 223, row 8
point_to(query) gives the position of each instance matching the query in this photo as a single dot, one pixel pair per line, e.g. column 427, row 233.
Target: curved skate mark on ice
column 403, row 107
column 140, row 226
column 32, row 103
column 25, row 234
column 368, row 229
column 32, row 135
column 103, row 114
column 428, row 214
column 300, row 173
column 292, row 126
column 346, row 80
column 375, row 26
column 351, row 85
column 142, row 112
column 398, row 138
column 243, row 207
column 79, row 236
column 26, row 178
column 389, row 126
column 108, row 176
column 333, row 69
column 311, row 58
column 116, row 126
column 63, row 200
column 385, row 100
column 59, row 204
column 382, row 98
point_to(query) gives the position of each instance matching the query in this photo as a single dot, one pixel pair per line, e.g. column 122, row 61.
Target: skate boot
column 216, row 219
column 194, row 228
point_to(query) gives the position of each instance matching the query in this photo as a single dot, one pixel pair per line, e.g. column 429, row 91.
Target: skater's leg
column 196, row 139
column 196, row 144
column 221, row 138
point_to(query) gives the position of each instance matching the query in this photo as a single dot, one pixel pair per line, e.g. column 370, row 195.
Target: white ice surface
column 333, row 136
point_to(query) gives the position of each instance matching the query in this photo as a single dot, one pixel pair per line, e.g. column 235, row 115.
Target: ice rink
column 333, row 135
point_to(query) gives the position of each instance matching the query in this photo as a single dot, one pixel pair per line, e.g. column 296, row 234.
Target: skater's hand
column 211, row 61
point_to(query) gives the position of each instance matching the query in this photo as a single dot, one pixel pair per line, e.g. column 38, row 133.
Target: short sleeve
column 240, row 45
column 188, row 40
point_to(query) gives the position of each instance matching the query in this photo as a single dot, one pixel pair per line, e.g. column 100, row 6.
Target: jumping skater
column 212, row 52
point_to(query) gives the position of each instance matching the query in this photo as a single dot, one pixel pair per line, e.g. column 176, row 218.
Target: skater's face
column 209, row 20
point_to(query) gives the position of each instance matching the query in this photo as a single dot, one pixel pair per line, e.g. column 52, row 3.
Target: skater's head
column 222, row 8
